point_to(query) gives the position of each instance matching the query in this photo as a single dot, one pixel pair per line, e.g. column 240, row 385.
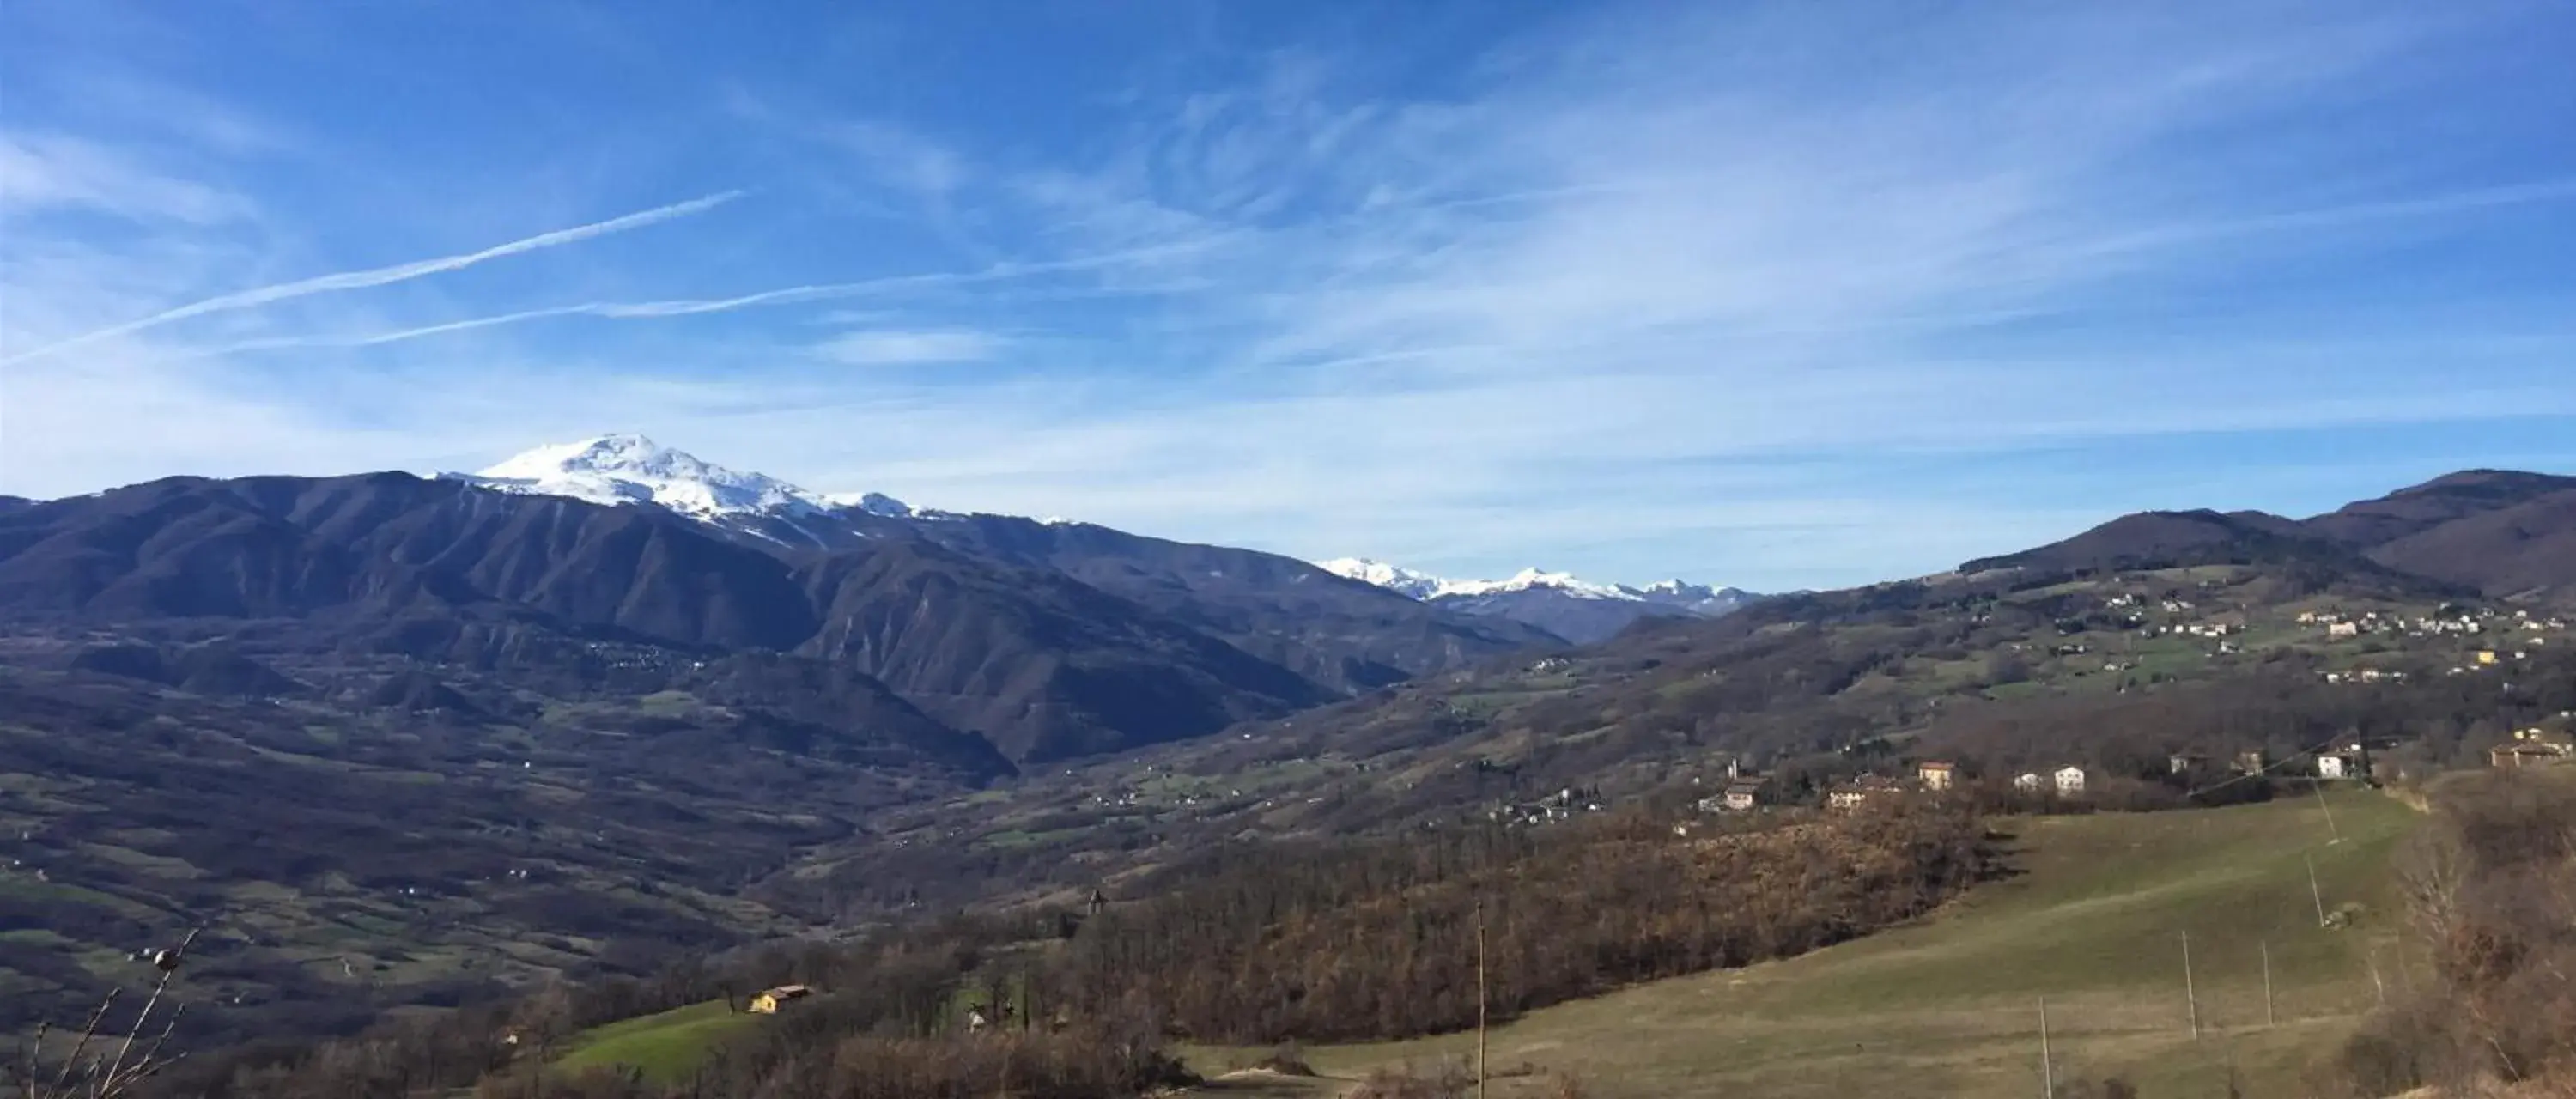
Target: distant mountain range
column 1047, row 639
column 1577, row 610
column 2499, row 533
column 606, row 693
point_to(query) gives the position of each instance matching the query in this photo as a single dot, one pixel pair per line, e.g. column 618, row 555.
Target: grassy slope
column 1950, row 1007
column 667, row 1046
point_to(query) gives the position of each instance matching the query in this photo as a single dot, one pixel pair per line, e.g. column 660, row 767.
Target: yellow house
column 767, row 1003
column 2486, row 656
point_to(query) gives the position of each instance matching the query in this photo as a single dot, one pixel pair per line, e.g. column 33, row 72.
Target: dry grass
column 1951, row 1007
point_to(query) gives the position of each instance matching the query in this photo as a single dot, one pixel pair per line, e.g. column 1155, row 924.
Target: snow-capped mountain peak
column 1527, row 579
column 874, row 503
column 1419, row 585
column 1423, row 585
column 632, row 469
column 1576, row 610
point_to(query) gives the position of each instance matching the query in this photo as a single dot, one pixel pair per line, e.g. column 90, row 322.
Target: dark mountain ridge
column 1577, row 618
column 1346, row 634
column 985, row 623
column 2500, row 533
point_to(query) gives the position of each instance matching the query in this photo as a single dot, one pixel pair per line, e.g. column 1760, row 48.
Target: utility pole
column 1480, row 1000
column 2267, row 985
column 2047, row 1068
column 2189, row 996
column 2370, row 957
column 2313, row 891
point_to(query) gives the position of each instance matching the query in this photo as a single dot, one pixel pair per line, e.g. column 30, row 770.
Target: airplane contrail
column 381, row 276
column 685, row 307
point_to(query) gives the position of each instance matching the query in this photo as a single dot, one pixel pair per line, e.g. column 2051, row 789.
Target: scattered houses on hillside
column 2534, row 746
column 1549, row 808
column 1744, row 791
column 2523, row 754
column 2067, row 781
column 1863, row 789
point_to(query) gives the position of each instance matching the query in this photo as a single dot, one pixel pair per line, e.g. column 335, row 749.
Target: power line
column 2266, row 769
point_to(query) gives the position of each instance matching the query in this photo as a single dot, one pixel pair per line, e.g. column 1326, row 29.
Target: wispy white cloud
column 896, row 348
column 386, row 276
column 899, row 156
column 43, row 171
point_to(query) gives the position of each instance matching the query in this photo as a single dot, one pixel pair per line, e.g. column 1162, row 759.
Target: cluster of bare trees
column 2490, row 884
column 1338, row 940
column 1377, row 941
column 887, row 1026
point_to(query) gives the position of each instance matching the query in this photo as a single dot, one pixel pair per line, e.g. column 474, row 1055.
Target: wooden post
column 2267, row 984
column 2370, row 957
column 2047, row 1068
column 2313, row 892
column 2189, row 996
column 1480, row 1000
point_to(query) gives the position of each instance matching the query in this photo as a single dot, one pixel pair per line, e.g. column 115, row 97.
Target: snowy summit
column 1420, row 585
column 631, row 469
column 1700, row 598
column 1579, row 611
column 1423, row 585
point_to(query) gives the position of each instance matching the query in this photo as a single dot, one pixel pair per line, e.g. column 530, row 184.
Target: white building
column 2070, row 780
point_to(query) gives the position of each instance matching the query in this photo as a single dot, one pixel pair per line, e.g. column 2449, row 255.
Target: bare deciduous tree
column 101, row 1063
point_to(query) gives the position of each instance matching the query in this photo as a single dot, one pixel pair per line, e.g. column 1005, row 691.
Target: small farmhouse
column 2070, row 781
column 1937, row 774
column 770, row 1000
column 2029, row 780
column 1741, row 795
column 2338, row 765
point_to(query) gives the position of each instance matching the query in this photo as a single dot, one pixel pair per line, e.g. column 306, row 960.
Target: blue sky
column 1778, row 295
